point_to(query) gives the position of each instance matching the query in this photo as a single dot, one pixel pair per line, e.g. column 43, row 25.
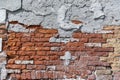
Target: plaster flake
column 3, row 73
column 18, row 28
column 27, row 18
column 97, row 9
column 93, row 44
column 61, row 19
column 13, row 71
column 2, row 15
column 67, row 57
column 11, row 5
column 39, row 7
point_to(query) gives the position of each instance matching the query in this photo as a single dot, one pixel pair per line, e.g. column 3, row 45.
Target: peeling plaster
column 24, row 17
column 19, row 28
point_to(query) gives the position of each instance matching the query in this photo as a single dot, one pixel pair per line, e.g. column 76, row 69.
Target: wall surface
column 60, row 39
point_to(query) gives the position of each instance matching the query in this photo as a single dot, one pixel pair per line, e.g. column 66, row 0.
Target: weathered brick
column 103, row 72
column 41, row 53
column 109, row 49
column 25, row 39
column 48, row 31
column 11, row 66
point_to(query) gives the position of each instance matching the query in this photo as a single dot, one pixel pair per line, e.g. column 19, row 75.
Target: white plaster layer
column 24, row 62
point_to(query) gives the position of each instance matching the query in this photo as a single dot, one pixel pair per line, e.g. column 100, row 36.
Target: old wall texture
column 59, row 39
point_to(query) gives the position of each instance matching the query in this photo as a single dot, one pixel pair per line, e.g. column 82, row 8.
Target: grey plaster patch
column 27, row 18
column 50, row 21
column 18, row 28
column 3, row 73
column 67, row 58
column 2, row 15
column 39, row 7
column 93, row 13
column 65, row 25
column 11, row 5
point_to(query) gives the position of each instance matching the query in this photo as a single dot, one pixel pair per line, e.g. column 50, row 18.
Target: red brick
column 22, row 53
column 18, row 44
column 39, row 75
column 23, row 76
column 11, row 61
column 25, row 39
column 89, row 58
column 83, row 40
column 38, row 44
column 17, row 76
column 24, row 58
column 42, row 48
column 15, row 39
column 41, row 57
column 41, row 53
column 60, row 74
column 9, row 53
column 97, row 63
column 3, row 31
column 48, row 35
column 40, row 67
column 105, row 54
column 28, row 75
column 44, row 40
column 30, row 53
column 11, row 35
column 76, row 22
column 18, row 35
column 108, row 49
column 48, row 31
column 33, row 74
column 77, row 35
column 75, row 44
column 91, row 35
column 28, row 44
column 36, row 67
column 14, row 66
column 55, row 57
column 39, row 35
column 35, row 39
column 3, row 27
column 11, row 44
column 39, row 62
column 14, row 48
column 97, row 40
column 30, row 48
column 3, row 36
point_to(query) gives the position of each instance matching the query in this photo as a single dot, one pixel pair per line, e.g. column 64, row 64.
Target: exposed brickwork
column 34, row 57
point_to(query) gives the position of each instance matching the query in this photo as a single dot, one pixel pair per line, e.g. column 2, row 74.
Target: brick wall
column 92, row 56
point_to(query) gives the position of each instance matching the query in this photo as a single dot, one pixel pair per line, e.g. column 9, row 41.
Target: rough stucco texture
column 93, row 13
